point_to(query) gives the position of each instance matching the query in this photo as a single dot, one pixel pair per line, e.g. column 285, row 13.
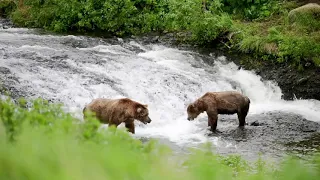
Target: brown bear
column 117, row 111
column 214, row 103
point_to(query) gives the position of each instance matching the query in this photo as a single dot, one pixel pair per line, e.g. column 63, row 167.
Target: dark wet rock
column 256, row 123
column 273, row 134
column 302, row 80
column 294, row 83
column 5, row 23
column 4, row 70
column 83, row 42
column 305, row 146
column 155, row 39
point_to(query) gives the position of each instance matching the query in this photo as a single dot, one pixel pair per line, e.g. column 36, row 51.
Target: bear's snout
column 190, row 119
column 148, row 120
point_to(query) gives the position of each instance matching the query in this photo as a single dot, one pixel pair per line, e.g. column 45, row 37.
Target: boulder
column 309, row 10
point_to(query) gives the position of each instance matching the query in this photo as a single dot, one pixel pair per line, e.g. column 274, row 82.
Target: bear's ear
column 139, row 110
column 146, row 105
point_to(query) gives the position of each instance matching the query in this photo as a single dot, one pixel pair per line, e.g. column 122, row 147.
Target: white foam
column 37, row 47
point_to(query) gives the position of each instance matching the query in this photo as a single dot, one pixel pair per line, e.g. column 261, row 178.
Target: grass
column 40, row 141
column 275, row 39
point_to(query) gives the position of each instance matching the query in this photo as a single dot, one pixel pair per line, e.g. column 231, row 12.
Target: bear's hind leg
column 130, row 127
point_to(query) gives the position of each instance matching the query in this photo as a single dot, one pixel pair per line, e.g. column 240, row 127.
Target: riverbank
column 268, row 30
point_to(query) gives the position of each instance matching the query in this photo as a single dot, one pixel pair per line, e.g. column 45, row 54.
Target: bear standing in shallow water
column 214, row 103
column 117, row 111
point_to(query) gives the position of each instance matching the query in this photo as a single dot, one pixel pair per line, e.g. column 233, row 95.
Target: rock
column 302, row 80
column 307, row 64
column 299, row 14
column 255, row 123
column 4, row 70
column 155, row 39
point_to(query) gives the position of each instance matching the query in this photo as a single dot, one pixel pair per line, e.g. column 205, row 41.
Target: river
column 75, row 69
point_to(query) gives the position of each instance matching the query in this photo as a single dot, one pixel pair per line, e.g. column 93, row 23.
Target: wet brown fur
column 214, row 103
column 117, row 111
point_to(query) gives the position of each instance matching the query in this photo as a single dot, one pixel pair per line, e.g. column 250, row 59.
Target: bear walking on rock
column 117, row 111
column 214, row 103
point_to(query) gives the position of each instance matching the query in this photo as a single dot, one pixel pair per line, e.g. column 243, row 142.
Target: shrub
column 251, row 9
column 116, row 17
column 204, row 26
column 6, row 7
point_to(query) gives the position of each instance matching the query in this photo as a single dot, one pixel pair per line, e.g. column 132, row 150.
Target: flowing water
column 75, row 69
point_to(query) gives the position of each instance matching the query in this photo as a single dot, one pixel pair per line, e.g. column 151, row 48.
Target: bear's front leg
column 213, row 120
column 130, row 126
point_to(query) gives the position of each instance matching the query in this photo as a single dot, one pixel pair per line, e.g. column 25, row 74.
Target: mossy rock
column 307, row 16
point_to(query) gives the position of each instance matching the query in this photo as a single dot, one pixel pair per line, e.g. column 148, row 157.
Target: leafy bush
column 307, row 22
column 204, row 26
column 210, row 28
column 126, row 17
column 251, row 9
column 6, row 7
column 293, row 48
column 116, row 17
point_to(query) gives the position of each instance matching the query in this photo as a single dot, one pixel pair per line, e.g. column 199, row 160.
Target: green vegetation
column 6, row 7
column 259, row 27
column 40, row 141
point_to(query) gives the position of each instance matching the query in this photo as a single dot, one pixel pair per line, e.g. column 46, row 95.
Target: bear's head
column 142, row 114
column 194, row 109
